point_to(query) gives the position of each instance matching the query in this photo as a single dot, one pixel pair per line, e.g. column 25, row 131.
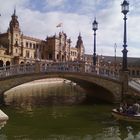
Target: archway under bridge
column 110, row 90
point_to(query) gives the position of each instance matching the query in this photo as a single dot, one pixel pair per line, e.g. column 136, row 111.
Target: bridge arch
column 93, row 91
column 101, row 88
column 109, row 83
column 96, row 87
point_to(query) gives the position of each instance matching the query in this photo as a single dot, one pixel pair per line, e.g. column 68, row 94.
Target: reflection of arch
column 7, row 63
column 1, row 63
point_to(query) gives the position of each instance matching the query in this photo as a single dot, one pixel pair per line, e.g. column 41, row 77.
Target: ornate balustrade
column 57, row 67
column 80, row 67
column 16, row 70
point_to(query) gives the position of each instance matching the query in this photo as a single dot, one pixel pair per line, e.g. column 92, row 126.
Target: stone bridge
column 102, row 84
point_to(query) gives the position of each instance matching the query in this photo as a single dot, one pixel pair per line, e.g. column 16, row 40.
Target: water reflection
column 109, row 133
column 63, row 137
column 132, row 135
column 3, row 137
column 76, row 137
column 67, row 123
column 115, row 133
column 2, row 123
column 45, row 92
column 77, row 122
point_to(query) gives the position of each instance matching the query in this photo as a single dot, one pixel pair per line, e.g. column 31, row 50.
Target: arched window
column 50, row 56
column 27, row 44
column 30, row 45
column 1, row 63
column 133, row 73
column 138, row 72
column 57, row 57
column 22, row 62
column 62, row 57
column 7, row 63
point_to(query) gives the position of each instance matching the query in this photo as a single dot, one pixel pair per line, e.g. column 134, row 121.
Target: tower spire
column 14, row 11
column 79, row 37
column 80, row 48
column 14, row 24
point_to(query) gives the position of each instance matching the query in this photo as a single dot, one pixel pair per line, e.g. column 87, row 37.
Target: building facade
column 17, row 48
column 113, row 63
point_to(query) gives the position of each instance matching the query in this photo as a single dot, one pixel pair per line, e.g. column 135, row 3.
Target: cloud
column 41, row 27
column 39, row 19
column 54, row 4
column 7, row 9
column 8, row 5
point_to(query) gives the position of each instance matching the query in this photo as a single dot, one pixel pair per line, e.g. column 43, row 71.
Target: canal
column 60, row 112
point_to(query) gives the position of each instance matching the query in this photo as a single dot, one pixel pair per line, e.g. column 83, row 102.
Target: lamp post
column 125, row 10
column 115, row 47
column 95, row 27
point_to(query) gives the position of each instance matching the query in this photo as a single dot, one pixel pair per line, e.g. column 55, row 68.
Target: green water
column 55, row 112
column 80, row 122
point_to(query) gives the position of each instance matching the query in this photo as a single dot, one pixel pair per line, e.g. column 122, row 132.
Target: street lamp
column 125, row 10
column 95, row 27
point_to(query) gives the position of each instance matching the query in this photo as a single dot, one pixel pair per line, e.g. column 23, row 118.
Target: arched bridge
column 106, row 82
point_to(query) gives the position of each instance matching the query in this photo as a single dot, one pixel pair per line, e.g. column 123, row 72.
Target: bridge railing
column 80, row 67
column 58, row 67
column 16, row 70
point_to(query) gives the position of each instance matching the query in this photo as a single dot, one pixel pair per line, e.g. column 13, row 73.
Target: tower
column 14, row 24
column 80, row 48
column 14, row 36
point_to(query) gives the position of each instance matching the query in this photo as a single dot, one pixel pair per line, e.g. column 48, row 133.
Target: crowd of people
column 130, row 109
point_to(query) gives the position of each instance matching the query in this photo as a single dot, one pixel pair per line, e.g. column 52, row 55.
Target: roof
column 32, row 38
column 131, row 60
column 3, row 34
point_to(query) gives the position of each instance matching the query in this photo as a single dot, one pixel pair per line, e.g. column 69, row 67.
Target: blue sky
column 38, row 18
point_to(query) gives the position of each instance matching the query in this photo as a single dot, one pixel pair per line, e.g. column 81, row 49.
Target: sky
column 39, row 18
